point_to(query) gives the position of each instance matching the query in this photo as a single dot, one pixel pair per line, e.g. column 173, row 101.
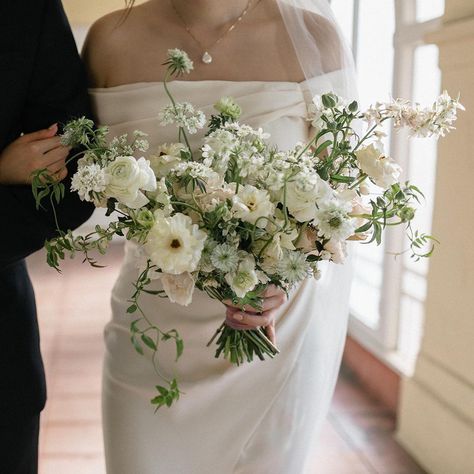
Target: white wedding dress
column 254, row 419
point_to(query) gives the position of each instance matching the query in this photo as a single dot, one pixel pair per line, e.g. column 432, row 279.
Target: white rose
column 244, row 279
column 126, row 178
column 178, row 288
column 380, row 168
column 175, row 244
column 251, row 204
column 302, row 194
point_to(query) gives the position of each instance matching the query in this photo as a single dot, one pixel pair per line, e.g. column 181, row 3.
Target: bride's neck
column 211, row 13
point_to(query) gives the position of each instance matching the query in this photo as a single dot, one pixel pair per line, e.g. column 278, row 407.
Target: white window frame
column 382, row 341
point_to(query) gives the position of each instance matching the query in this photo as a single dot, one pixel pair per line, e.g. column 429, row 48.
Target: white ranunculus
column 178, row 288
column 302, row 194
column 251, row 204
column 175, row 244
column 244, row 279
column 126, row 178
column 380, row 168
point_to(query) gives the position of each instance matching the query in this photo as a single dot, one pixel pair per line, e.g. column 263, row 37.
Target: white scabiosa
column 333, row 221
column 175, row 244
column 225, row 257
column 293, row 266
column 252, row 205
column 244, row 279
column 126, row 178
column 178, row 62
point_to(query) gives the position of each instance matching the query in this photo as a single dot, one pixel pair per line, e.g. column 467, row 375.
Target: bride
column 271, row 57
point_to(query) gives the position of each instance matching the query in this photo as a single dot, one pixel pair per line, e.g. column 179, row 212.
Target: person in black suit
column 42, row 83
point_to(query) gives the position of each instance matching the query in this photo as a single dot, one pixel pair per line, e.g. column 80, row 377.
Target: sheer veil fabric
column 257, row 418
column 319, row 44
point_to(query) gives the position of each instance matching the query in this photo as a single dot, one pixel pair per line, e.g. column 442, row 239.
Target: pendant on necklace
column 206, row 58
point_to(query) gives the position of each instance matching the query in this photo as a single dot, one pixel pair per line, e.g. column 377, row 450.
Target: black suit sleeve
column 57, row 92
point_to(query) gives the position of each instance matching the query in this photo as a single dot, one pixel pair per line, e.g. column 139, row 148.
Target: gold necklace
column 206, row 57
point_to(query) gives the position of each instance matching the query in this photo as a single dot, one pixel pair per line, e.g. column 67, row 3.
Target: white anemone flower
column 175, row 244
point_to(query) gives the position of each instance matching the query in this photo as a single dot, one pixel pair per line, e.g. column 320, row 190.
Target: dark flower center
column 175, row 244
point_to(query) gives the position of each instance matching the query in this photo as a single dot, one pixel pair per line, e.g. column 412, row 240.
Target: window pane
column 429, row 9
column 375, row 50
column 344, row 13
column 375, row 72
column 423, row 151
column 422, row 172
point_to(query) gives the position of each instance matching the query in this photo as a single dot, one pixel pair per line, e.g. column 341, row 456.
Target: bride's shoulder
column 106, row 41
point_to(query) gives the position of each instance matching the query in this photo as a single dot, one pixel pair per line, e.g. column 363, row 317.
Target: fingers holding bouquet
column 248, row 317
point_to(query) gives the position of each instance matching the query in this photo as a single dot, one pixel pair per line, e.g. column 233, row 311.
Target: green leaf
column 134, row 325
column 322, row 147
column 148, row 341
column 179, row 348
column 136, row 345
column 364, row 228
column 132, row 308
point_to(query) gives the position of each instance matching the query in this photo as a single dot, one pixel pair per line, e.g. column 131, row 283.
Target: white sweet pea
column 178, row 288
column 244, row 279
column 380, row 168
column 126, row 178
column 251, row 205
column 175, row 244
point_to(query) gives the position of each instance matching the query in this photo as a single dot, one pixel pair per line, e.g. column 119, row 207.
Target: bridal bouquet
column 238, row 214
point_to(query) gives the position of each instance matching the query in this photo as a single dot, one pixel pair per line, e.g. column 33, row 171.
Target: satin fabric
column 257, row 418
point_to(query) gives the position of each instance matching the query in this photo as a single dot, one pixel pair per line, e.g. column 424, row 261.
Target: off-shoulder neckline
column 145, row 84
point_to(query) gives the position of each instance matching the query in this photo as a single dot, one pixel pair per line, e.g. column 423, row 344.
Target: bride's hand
column 250, row 318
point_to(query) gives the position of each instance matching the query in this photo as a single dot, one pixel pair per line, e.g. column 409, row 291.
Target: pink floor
column 73, row 308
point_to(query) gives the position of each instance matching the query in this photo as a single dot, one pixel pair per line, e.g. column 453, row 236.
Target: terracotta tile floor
column 73, row 308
